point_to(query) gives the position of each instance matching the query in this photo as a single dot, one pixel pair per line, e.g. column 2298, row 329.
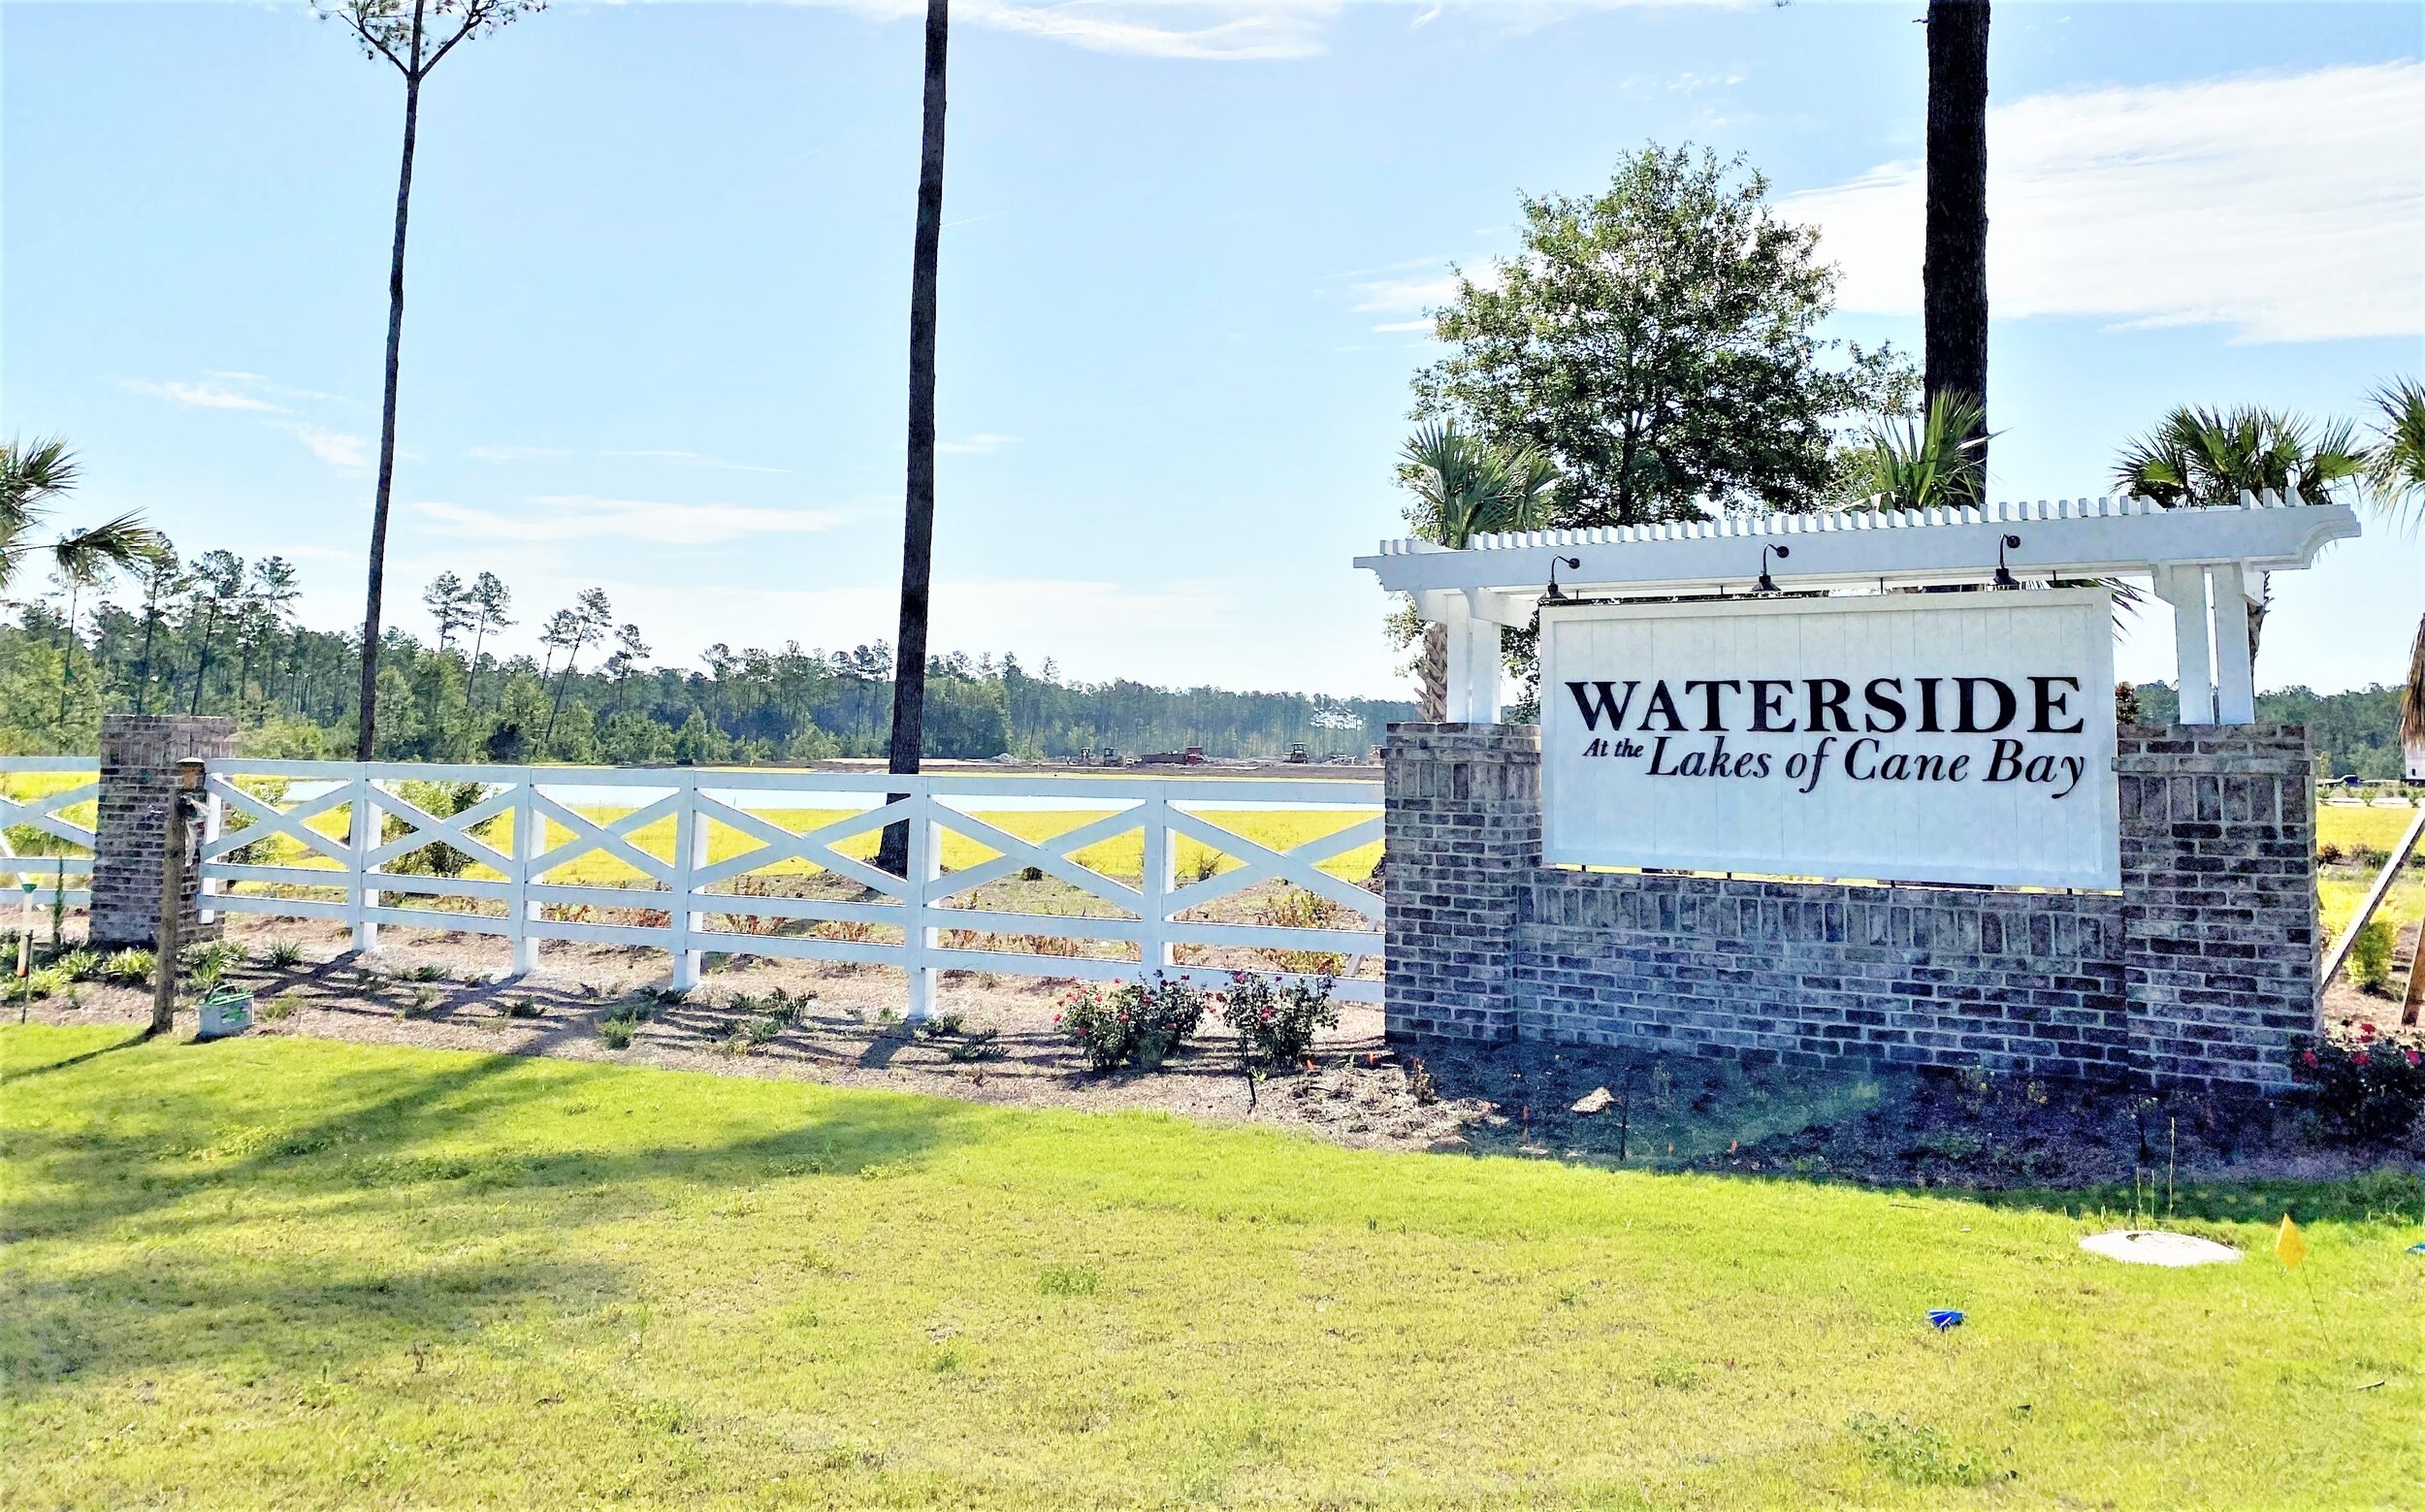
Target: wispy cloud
column 2291, row 207
column 683, row 459
column 520, row 453
column 1246, row 31
column 982, row 443
column 248, row 393
column 337, row 448
column 205, row 396
column 579, row 517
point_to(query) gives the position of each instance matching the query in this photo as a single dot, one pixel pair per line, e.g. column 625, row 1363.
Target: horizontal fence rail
column 692, row 861
column 40, row 839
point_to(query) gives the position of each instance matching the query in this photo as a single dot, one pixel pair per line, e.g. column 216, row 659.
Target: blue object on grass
column 1944, row 1318
column 2416, row 1249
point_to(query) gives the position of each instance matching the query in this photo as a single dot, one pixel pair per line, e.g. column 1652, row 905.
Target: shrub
column 2369, row 958
column 619, row 1028
column 426, row 972
column 1142, row 1021
column 438, row 800
column 2363, row 1086
column 43, row 982
column 523, row 1008
column 283, row 1005
column 130, row 967
column 285, row 954
column 2328, row 853
column 79, row 965
column 1276, row 1024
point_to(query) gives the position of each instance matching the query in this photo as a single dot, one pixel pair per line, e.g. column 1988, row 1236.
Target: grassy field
column 2344, row 888
column 302, row 1274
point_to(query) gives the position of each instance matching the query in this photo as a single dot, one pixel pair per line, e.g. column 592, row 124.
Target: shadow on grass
column 371, row 1136
column 46, row 1068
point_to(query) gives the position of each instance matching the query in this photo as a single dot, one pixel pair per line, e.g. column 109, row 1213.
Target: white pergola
column 2208, row 562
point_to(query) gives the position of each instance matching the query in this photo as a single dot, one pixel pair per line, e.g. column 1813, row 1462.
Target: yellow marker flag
column 2290, row 1246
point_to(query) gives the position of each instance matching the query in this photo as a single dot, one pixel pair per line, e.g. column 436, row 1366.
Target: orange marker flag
column 2289, row 1245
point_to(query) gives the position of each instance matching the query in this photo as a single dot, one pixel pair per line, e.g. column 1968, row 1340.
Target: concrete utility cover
column 2155, row 1247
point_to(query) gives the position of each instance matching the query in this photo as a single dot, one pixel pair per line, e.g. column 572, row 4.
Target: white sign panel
column 1906, row 737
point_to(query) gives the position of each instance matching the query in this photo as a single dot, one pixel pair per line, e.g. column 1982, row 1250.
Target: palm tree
column 34, row 476
column 1954, row 267
column 918, row 531
column 2395, row 476
column 2197, row 456
column 1925, row 463
column 1465, row 487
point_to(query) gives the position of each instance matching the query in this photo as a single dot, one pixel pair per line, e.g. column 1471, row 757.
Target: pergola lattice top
column 1499, row 579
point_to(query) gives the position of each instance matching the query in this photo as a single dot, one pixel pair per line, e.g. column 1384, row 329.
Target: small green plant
column 283, row 1005
column 79, row 965
column 977, row 1045
column 617, row 1030
column 127, row 967
column 1276, row 1024
column 426, row 972
column 2369, row 958
column 423, row 999
column 36, row 986
column 1069, row 1281
column 948, row 1025
column 284, row 954
column 1918, row 1455
column 522, row 1007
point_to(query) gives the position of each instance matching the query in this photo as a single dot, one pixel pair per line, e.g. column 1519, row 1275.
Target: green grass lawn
column 302, row 1273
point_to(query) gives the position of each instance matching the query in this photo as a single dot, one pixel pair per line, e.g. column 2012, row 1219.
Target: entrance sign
column 1906, row 737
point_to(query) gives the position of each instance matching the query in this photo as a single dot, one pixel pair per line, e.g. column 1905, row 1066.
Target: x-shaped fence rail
column 539, row 854
column 44, row 815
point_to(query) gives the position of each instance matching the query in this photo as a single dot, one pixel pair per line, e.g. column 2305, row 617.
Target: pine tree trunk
column 1433, row 707
column 367, row 734
column 917, row 531
column 1953, row 276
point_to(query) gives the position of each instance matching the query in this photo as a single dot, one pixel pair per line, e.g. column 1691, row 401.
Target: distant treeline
column 2354, row 732
column 216, row 636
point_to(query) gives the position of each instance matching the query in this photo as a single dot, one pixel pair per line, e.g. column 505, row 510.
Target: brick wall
column 2200, row 970
column 139, row 757
column 1810, row 972
column 2220, row 936
column 1462, row 837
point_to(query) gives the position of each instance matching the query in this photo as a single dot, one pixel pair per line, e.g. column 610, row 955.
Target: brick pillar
column 1462, row 822
column 2219, row 900
column 139, row 757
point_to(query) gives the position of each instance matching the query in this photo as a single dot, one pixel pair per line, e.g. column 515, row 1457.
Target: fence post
column 689, row 854
column 1153, row 911
column 366, row 839
column 925, row 865
column 172, row 884
column 530, row 844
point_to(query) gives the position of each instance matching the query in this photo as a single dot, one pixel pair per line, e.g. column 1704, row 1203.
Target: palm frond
column 1923, row 461
column 124, row 543
column 2395, row 465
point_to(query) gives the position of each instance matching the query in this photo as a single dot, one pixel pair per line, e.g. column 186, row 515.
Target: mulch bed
column 1001, row 1045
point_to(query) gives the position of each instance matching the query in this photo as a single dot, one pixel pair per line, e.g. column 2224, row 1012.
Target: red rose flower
column 2308, row 1057
column 2361, row 1058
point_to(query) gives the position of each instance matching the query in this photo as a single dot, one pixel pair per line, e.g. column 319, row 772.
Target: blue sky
column 656, row 320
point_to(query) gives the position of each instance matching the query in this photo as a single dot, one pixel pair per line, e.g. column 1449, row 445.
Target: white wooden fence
column 517, row 885
column 46, row 814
